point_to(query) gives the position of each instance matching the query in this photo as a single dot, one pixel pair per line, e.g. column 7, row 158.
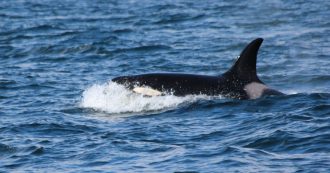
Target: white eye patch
column 255, row 90
column 147, row 91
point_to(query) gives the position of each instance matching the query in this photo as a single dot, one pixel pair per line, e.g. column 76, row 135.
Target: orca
column 240, row 81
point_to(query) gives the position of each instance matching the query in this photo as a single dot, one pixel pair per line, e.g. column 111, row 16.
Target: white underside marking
column 147, row 91
column 255, row 90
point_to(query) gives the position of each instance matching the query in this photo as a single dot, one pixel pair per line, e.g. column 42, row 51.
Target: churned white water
column 115, row 98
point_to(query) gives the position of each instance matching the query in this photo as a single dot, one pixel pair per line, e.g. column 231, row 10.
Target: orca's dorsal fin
column 245, row 66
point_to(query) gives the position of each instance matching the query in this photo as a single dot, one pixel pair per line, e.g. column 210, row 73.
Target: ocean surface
column 60, row 112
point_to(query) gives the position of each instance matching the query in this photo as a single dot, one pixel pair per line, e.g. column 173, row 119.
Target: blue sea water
column 59, row 112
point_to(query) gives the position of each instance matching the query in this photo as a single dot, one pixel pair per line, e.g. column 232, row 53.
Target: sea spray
column 115, row 98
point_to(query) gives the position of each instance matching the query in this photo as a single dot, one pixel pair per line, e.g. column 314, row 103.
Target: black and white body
column 240, row 81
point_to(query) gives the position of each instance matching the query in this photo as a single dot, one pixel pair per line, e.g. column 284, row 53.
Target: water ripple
column 60, row 113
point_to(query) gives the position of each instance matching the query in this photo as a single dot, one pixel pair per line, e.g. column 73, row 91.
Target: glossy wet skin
column 241, row 81
column 187, row 84
column 181, row 84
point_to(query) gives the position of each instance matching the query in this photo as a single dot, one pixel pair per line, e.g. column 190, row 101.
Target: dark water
column 59, row 113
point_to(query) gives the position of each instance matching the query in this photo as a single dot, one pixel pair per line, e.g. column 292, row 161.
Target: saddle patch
column 255, row 90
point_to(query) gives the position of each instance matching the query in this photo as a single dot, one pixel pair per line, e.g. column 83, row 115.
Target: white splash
column 114, row 98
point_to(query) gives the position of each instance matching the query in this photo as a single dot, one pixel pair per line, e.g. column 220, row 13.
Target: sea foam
column 114, row 98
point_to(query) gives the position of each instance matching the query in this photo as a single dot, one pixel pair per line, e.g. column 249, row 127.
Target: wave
column 115, row 99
